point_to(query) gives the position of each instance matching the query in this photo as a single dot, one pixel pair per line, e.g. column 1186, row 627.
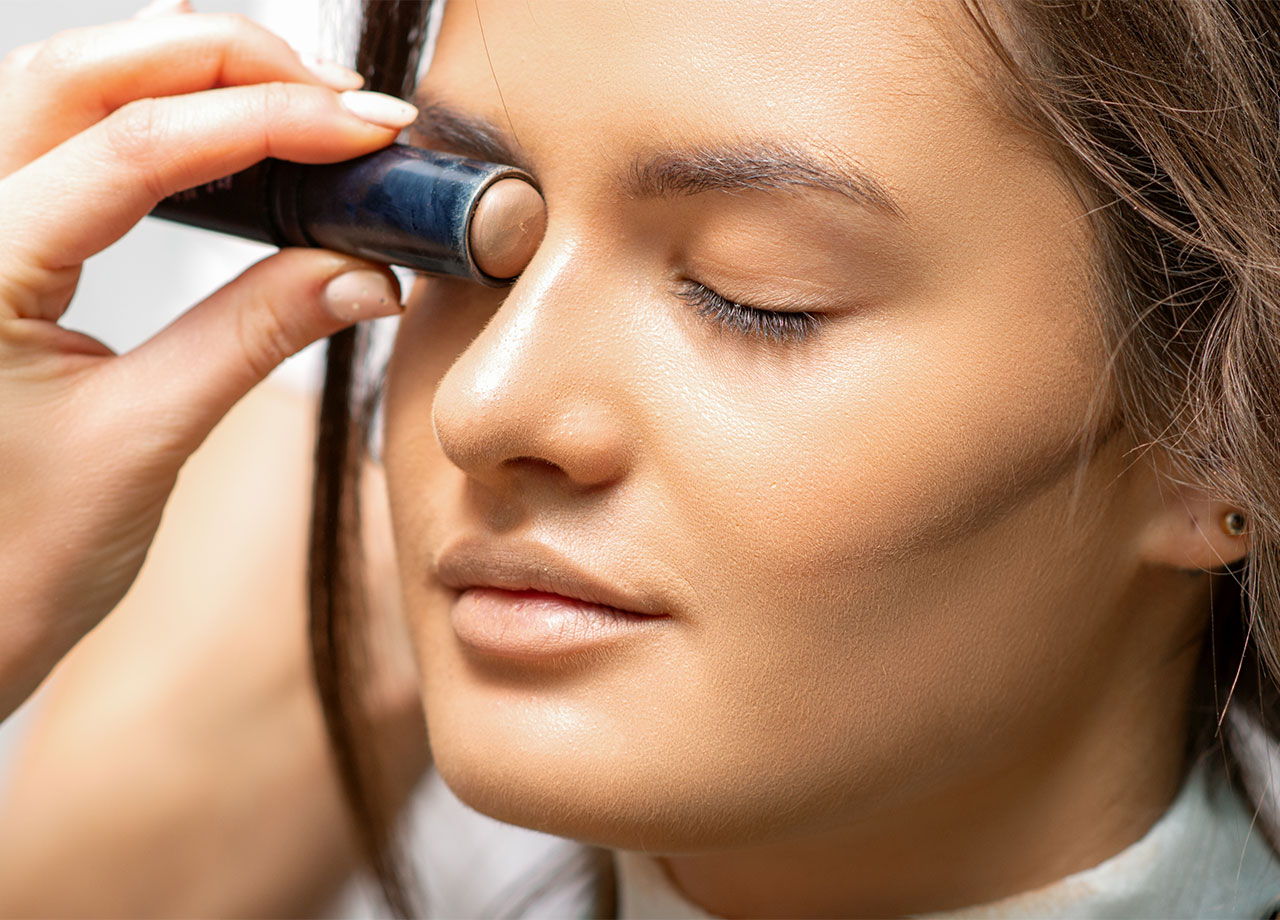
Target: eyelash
column 773, row 325
column 753, row 322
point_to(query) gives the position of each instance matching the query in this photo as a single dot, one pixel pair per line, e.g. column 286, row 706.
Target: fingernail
column 379, row 109
column 332, row 75
column 162, row 8
column 361, row 294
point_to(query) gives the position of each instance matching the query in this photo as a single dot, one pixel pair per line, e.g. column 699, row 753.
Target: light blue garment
column 1204, row 858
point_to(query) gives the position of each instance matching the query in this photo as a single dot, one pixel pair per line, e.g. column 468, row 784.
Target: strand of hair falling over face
column 387, row 55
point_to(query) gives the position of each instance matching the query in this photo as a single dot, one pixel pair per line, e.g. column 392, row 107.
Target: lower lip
column 532, row 625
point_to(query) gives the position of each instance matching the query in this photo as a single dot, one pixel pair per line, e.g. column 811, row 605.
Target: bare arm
column 179, row 766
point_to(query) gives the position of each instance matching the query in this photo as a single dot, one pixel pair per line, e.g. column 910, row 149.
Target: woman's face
column 863, row 590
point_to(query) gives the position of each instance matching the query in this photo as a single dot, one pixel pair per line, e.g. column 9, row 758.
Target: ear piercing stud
column 1233, row 523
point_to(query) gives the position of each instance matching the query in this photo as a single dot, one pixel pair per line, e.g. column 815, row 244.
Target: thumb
column 187, row 377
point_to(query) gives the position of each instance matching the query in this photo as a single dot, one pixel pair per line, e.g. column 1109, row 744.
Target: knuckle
column 132, row 129
column 263, row 337
column 18, row 60
column 275, row 100
column 135, row 134
column 239, row 29
column 233, row 25
column 63, row 51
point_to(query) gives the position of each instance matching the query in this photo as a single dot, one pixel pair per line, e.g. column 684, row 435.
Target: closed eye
column 771, row 325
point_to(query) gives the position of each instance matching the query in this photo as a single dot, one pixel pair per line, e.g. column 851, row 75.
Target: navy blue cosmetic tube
column 400, row 206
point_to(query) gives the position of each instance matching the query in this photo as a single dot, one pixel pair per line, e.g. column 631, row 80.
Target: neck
column 1093, row 785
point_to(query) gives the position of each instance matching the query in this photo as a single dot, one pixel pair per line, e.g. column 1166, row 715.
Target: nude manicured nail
column 379, row 109
column 332, row 75
column 360, row 294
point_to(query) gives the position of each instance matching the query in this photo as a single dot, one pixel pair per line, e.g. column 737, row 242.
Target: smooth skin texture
column 106, row 121
column 908, row 664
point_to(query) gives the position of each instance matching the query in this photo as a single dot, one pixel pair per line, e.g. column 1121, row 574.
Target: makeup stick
column 425, row 210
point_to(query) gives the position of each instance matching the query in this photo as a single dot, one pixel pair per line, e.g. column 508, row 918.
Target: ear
column 1188, row 528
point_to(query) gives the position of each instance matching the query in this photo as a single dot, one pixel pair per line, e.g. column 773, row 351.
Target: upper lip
column 528, row 566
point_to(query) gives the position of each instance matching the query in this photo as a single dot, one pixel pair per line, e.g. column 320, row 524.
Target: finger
column 56, row 89
column 163, row 8
column 20, row 56
column 84, row 195
column 190, row 374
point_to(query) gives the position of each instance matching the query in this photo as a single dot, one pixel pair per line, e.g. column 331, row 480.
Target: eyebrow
column 754, row 165
column 468, row 133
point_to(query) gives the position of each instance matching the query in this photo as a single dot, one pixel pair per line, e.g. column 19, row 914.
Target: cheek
column 894, row 439
column 866, row 522
column 873, row 523
column 442, row 317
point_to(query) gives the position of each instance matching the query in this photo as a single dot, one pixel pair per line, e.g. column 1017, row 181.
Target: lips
column 527, row 566
column 526, row 601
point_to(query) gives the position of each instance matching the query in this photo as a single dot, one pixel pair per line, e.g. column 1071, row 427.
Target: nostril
column 535, row 461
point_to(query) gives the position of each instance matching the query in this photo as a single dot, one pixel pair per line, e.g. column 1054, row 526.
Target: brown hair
column 1163, row 114
column 387, row 54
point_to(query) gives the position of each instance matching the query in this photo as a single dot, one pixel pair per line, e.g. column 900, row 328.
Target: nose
column 536, row 397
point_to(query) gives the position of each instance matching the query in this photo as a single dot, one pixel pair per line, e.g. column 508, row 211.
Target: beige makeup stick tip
column 507, row 227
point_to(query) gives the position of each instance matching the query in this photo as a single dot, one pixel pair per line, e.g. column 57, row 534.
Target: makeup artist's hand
column 98, row 125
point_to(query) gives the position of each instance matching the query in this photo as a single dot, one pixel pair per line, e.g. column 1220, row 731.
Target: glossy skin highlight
column 901, row 635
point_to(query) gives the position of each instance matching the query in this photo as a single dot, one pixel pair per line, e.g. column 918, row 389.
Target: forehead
column 822, row 72
column 583, row 85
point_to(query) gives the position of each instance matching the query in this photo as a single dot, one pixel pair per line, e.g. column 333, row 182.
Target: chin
column 592, row 800
column 564, row 763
